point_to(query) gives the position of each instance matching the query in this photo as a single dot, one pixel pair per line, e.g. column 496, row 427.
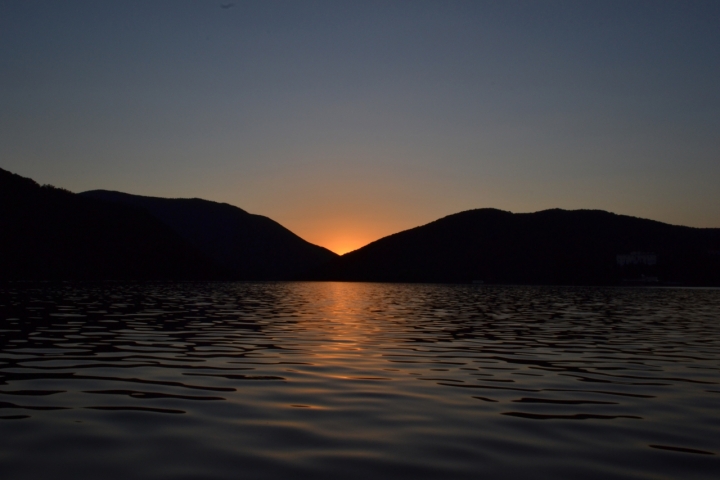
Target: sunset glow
column 349, row 121
column 341, row 246
column 359, row 239
column 341, row 242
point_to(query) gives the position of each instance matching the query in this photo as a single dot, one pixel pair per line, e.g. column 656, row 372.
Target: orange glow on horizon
column 343, row 239
column 348, row 233
column 340, row 235
column 343, row 245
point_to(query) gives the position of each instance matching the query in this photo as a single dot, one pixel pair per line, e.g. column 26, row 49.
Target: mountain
column 547, row 247
column 47, row 233
column 247, row 246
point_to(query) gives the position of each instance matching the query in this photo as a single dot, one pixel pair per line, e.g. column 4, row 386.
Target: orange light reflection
column 346, row 329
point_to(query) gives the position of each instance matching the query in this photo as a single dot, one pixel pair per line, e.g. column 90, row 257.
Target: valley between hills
column 52, row 234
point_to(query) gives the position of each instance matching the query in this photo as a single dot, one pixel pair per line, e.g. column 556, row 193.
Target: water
column 350, row 380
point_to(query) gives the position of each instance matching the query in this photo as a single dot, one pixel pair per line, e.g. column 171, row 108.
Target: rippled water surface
column 351, row 380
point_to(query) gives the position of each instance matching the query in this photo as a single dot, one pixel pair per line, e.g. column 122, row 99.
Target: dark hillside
column 52, row 234
column 548, row 247
column 248, row 246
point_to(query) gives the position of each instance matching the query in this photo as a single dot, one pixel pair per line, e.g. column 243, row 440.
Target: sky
column 349, row 121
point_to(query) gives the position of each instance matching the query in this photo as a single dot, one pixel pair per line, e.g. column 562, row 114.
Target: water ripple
column 328, row 380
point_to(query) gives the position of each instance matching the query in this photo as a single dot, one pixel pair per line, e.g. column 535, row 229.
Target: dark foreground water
column 346, row 380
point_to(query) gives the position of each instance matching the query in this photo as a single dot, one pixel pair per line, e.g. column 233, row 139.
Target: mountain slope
column 248, row 246
column 52, row 234
column 548, row 247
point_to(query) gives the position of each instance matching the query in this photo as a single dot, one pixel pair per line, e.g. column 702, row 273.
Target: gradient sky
column 349, row 121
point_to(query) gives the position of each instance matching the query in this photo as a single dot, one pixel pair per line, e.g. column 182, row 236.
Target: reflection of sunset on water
column 358, row 380
column 342, row 324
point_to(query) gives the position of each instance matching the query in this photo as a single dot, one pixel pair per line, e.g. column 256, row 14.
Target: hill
column 547, row 247
column 49, row 233
column 247, row 246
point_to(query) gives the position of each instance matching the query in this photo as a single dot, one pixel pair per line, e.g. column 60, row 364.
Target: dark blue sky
column 347, row 121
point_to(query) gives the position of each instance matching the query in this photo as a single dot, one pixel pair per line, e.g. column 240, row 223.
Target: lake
column 358, row 380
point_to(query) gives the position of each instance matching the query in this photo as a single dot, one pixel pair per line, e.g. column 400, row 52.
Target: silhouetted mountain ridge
column 247, row 246
column 52, row 234
column 547, row 247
